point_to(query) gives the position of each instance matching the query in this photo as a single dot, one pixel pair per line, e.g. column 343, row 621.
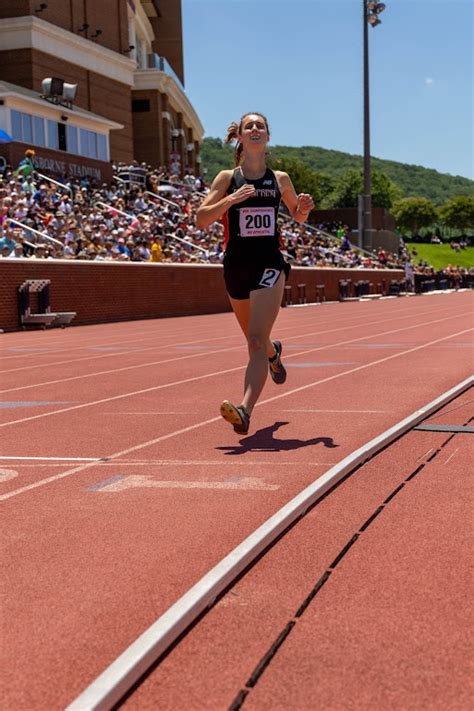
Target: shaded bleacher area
column 149, row 215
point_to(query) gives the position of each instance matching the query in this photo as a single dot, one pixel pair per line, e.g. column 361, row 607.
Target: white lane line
column 424, row 455
column 137, row 366
column 452, row 455
column 53, row 459
column 203, row 423
column 350, row 325
column 108, row 688
column 195, row 378
column 166, row 463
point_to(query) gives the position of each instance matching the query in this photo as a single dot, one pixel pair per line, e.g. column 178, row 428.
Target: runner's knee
column 256, row 343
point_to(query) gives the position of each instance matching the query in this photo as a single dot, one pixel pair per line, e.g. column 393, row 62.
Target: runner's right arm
column 217, row 202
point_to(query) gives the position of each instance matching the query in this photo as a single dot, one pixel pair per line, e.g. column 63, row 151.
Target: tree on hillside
column 303, row 178
column 413, row 213
column 458, row 213
column 347, row 189
column 413, row 180
column 351, row 184
column 385, row 192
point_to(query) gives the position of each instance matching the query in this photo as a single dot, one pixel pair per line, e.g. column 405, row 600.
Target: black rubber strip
column 417, row 471
column 394, row 492
column 343, row 552
column 371, row 518
column 265, row 661
column 239, row 700
column 313, row 593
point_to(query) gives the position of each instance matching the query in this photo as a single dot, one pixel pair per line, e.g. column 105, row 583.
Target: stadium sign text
column 66, row 168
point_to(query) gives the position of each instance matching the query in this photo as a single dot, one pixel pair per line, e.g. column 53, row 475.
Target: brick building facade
column 126, row 57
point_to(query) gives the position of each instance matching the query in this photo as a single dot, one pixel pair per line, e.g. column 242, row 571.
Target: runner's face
column 253, row 131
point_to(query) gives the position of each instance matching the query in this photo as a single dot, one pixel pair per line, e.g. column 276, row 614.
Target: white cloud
column 429, row 81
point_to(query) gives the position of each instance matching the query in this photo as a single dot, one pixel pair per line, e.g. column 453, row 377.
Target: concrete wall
column 101, row 292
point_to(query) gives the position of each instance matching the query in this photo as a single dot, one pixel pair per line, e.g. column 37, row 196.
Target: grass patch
column 440, row 255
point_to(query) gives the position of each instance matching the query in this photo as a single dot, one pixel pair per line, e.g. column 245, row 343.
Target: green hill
column 413, row 180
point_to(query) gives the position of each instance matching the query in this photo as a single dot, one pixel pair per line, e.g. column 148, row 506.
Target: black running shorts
column 241, row 279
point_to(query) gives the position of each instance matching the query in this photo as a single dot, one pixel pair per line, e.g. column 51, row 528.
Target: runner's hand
column 305, row 203
column 243, row 193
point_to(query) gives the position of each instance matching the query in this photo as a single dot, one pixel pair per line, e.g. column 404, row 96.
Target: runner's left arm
column 300, row 205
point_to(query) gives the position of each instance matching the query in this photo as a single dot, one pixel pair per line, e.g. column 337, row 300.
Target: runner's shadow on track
column 263, row 441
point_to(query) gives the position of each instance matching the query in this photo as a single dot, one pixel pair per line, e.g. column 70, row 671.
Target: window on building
column 27, row 128
column 84, row 142
column 38, row 131
column 17, row 133
column 102, row 146
column 58, row 136
column 53, row 141
column 72, row 139
column 140, row 105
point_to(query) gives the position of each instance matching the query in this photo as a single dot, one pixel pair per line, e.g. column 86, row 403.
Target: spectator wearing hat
column 18, row 252
column 40, row 252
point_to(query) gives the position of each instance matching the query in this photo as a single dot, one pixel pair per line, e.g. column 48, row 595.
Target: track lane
column 110, row 387
column 90, row 522
column 299, row 325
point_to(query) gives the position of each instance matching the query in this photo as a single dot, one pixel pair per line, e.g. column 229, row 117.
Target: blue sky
column 300, row 63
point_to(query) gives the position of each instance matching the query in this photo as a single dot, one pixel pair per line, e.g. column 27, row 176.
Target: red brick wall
column 102, row 292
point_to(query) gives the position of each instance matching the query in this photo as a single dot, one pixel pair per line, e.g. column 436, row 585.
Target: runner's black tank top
column 250, row 228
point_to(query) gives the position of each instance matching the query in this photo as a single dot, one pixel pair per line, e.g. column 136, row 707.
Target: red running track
column 98, row 550
column 384, row 628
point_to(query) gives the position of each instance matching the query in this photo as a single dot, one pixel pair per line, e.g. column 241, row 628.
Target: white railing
column 111, row 208
column 36, row 232
column 56, row 182
column 158, row 197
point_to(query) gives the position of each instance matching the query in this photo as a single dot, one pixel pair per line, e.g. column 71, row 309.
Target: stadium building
column 117, row 92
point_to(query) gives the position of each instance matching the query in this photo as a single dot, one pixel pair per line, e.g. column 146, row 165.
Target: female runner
column 247, row 200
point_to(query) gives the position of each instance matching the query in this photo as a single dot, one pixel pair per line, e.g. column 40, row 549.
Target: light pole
column 371, row 10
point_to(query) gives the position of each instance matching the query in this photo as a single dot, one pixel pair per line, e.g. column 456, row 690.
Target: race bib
column 269, row 277
column 257, row 221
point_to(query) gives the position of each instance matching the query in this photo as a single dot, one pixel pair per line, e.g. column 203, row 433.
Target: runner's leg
column 241, row 309
column 264, row 307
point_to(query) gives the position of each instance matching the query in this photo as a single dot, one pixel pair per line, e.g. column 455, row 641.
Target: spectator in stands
column 40, row 252
column 9, row 238
column 156, row 250
column 18, row 252
column 409, row 276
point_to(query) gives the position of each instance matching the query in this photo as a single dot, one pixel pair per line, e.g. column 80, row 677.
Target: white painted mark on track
column 7, row 474
column 147, row 482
